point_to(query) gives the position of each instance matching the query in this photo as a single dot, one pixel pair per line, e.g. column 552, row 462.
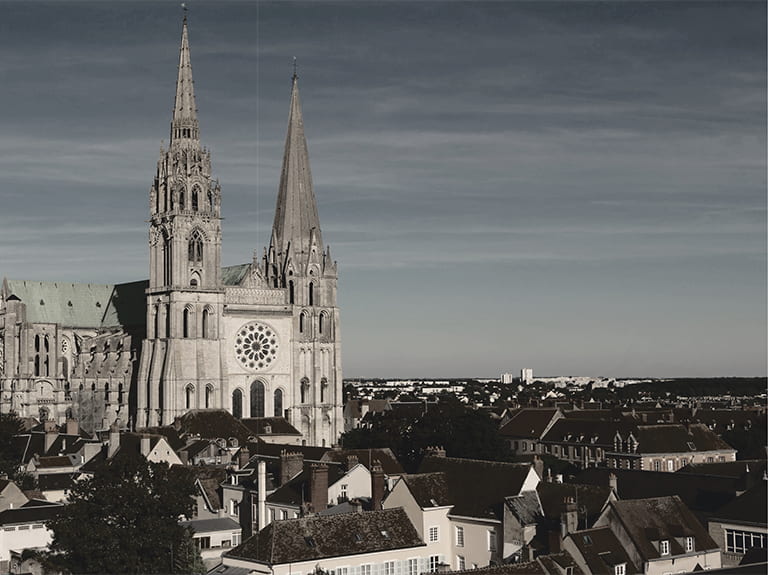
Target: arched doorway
column 257, row 399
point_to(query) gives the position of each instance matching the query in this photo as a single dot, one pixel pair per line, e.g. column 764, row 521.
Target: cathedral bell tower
column 180, row 365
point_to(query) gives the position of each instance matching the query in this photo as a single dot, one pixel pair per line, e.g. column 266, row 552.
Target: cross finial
column 295, row 75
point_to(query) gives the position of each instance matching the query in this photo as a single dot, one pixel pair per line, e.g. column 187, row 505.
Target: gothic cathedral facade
column 259, row 339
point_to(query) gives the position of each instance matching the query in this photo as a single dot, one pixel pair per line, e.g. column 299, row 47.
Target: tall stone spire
column 184, row 124
column 296, row 226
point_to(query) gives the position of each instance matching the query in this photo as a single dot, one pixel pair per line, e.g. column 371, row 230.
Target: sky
column 577, row 188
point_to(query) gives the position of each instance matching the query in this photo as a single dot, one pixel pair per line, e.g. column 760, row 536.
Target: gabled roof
column 558, row 562
column 234, row 275
column 586, row 431
column 602, row 550
column 389, row 463
column 429, row 489
column 208, row 480
column 592, row 497
column 297, row 490
column 274, row 450
column 324, row 536
column 477, row 488
column 212, row 525
column 528, row 423
column 213, row 424
column 526, row 507
column 651, row 520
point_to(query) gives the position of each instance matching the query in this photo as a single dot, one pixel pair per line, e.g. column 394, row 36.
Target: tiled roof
column 210, row 479
column 558, row 562
column 429, row 489
column 32, row 514
column 310, row 453
column 528, row 423
column 297, row 490
column 602, row 550
column 529, row 568
column 586, row 431
column 654, row 519
column 213, row 424
column 324, row 536
column 54, row 461
column 279, row 426
column 477, row 488
column 735, row 469
column 211, row 525
column 526, row 507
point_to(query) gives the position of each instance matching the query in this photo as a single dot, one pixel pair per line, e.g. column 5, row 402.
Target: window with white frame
column 461, row 563
column 283, row 514
column 413, row 567
column 459, row 536
column 365, row 569
column 389, row 568
column 234, row 507
column 434, row 562
column 737, row 541
column 343, row 494
column 342, row 570
column 664, row 547
column 434, row 534
column 670, row 464
column 620, row 569
column 656, row 465
column 492, row 540
column 688, row 544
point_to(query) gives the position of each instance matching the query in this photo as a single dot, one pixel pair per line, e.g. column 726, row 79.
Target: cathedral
column 260, row 339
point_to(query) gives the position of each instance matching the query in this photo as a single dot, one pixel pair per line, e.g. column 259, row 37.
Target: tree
column 126, row 520
column 11, row 451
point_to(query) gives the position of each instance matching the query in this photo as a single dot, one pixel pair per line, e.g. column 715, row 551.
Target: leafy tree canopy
column 12, row 451
column 126, row 520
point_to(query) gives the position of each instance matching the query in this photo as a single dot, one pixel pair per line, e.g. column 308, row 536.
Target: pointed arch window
column 304, row 390
column 195, row 247
column 189, row 396
column 186, row 322
column 195, row 198
column 301, row 322
column 278, row 404
column 205, row 323
column 257, row 399
column 208, row 396
column 323, row 389
column 311, row 293
column 237, row 404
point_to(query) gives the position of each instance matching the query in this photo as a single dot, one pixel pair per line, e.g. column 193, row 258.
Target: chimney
column 184, row 456
column 318, row 487
column 538, row 466
column 51, row 433
column 114, row 439
column 569, row 519
column 351, row 461
column 145, row 444
column 245, row 457
column 613, row 483
column 73, row 428
column 549, row 475
column 267, row 429
column 291, row 464
column 261, row 478
column 377, row 485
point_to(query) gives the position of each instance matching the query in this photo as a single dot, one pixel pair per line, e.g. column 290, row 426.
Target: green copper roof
column 234, row 275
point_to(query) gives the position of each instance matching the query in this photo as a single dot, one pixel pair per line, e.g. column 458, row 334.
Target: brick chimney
column 538, row 466
column 291, row 465
column 569, row 519
column 244, row 456
column 318, row 487
column 114, row 439
column 351, row 461
column 145, row 445
column 51, row 433
column 377, row 485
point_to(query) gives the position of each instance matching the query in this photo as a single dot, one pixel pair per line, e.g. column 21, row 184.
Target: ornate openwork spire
column 184, row 124
column 296, row 225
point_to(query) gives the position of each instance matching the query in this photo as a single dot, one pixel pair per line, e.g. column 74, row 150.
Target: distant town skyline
column 577, row 188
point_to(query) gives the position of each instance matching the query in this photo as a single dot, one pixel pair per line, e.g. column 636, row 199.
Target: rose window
column 256, row 345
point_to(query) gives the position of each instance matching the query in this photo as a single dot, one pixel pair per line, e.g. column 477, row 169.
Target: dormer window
column 689, row 545
column 620, row 569
column 664, row 547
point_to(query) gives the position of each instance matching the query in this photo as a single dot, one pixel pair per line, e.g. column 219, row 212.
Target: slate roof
column 751, row 507
column 211, row 525
column 700, row 493
column 677, row 439
column 529, row 568
column 209, row 479
column 54, row 461
column 273, row 450
column 602, row 550
column 586, row 431
column 528, row 423
column 735, row 469
column 477, row 488
column 280, row 426
column 213, row 424
column 557, row 562
column 654, row 519
column 324, row 536
column 297, row 490
column 389, row 463
column 592, row 497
